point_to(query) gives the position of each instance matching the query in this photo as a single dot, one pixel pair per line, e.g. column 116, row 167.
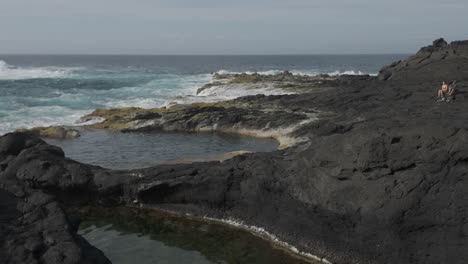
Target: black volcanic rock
column 381, row 178
column 34, row 228
column 438, row 62
column 284, row 81
column 439, row 43
column 396, row 196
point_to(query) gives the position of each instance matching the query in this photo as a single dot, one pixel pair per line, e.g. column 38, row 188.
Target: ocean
column 44, row 90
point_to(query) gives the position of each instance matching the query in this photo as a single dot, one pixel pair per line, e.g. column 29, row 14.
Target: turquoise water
column 57, row 90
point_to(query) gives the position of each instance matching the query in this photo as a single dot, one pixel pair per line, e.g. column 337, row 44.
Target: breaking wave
column 224, row 92
column 33, row 94
column 27, row 104
column 9, row 72
column 229, row 91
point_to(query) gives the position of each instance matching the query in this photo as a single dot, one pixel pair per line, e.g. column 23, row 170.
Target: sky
column 228, row 27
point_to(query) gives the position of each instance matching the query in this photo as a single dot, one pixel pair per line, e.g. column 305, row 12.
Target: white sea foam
column 9, row 72
column 66, row 107
column 231, row 91
column 225, row 92
column 350, row 72
column 40, row 116
column 135, row 102
column 158, row 93
column 301, row 72
column 270, row 72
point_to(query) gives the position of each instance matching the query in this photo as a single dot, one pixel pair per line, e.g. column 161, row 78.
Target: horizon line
column 149, row 54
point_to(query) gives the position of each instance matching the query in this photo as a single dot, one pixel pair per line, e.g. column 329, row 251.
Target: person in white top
column 443, row 91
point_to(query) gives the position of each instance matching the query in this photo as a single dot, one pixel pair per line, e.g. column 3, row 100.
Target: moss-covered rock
column 57, row 132
column 262, row 117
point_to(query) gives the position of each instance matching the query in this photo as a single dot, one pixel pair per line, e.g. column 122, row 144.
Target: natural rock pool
column 130, row 235
column 143, row 236
column 116, row 150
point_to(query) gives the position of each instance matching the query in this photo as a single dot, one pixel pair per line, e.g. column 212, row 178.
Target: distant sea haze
column 43, row 90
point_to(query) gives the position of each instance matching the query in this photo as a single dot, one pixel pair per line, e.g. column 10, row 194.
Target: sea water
column 44, row 90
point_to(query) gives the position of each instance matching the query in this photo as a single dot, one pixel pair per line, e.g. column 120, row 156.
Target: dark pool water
column 144, row 236
column 122, row 247
column 116, row 150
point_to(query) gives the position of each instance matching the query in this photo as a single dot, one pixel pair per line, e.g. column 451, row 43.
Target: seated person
column 443, row 91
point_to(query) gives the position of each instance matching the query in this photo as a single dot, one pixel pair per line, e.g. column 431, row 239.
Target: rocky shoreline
column 285, row 81
column 371, row 170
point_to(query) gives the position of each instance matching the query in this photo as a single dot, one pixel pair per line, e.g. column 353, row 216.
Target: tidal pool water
column 115, row 150
column 130, row 235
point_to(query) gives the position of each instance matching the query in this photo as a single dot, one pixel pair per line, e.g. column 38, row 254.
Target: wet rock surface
column 379, row 177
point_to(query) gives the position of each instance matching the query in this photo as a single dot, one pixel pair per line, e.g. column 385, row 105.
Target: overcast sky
column 228, row 27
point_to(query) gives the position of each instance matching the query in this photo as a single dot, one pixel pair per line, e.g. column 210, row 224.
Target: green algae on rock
column 56, row 132
column 262, row 118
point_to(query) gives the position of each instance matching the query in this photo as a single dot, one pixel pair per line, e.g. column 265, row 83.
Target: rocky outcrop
column 364, row 197
column 56, row 132
column 36, row 180
column 258, row 116
column 35, row 229
column 438, row 62
column 284, row 81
